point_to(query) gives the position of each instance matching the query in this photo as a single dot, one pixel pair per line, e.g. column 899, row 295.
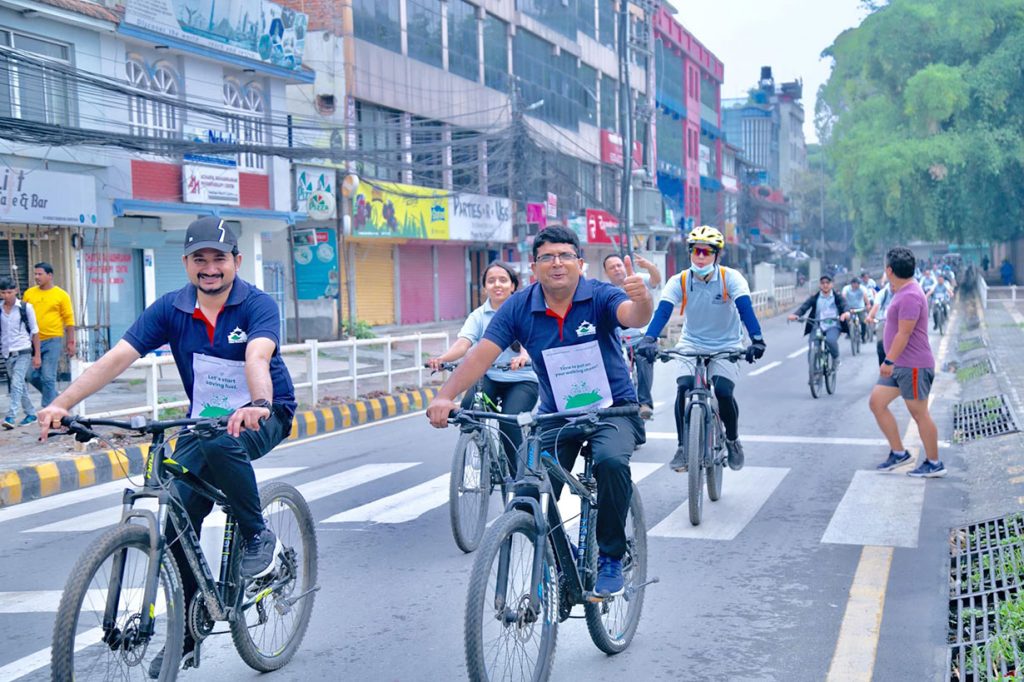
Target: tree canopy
column 923, row 121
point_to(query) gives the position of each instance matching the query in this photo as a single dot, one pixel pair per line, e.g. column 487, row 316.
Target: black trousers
column 612, row 445
column 225, row 462
column 644, row 380
column 728, row 408
column 516, row 397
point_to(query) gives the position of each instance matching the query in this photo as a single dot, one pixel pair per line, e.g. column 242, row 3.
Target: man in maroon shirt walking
column 908, row 369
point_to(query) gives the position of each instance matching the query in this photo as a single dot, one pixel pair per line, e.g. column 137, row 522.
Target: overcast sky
column 788, row 35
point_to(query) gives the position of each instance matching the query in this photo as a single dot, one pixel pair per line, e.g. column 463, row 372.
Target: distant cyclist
column 940, row 292
column 515, row 387
column 714, row 300
column 877, row 317
column 830, row 311
column 857, row 299
column 868, row 281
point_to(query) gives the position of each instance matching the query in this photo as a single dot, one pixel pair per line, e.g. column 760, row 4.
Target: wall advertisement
column 256, row 29
column 210, row 184
column 47, row 197
column 478, row 218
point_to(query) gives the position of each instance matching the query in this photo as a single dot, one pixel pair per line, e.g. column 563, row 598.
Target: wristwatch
column 887, row 361
column 262, row 402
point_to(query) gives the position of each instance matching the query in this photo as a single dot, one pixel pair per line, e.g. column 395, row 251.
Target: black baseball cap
column 824, row 277
column 210, row 232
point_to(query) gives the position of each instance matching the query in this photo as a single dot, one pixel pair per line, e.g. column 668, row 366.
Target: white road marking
column 744, row 492
column 47, row 601
column 878, row 510
column 111, row 515
column 797, row 353
column 569, row 504
column 795, row 440
column 762, row 370
column 406, row 505
column 64, row 499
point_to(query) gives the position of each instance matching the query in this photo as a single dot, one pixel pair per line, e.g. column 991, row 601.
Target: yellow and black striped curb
column 59, row 476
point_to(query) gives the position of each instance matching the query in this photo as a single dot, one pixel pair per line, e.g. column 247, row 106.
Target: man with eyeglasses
column 715, row 299
column 568, row 323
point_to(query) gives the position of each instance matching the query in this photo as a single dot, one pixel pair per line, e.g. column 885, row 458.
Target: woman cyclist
column 516, row 387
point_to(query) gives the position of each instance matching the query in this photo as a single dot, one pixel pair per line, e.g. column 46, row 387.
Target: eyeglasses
column 560, row 257
column 701, row 251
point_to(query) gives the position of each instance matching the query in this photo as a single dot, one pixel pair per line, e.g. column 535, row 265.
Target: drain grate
column 987, row 556
column 970, row 343
column 974, row 370
column 982, row 418
column 981, row 647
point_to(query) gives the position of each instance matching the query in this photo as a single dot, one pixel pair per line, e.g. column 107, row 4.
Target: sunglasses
column 702, row 251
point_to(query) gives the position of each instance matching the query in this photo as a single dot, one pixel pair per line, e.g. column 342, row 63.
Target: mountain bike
column 856, row 330
column 703, row 431
column 123, row 602
column 479, row 450
column 821, row 366
column 940, row 313
column 527, row 575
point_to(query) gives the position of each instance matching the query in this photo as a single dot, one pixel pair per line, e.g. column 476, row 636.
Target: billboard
column 389, row 209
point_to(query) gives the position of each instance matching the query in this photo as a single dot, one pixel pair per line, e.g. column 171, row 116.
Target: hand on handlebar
column 792, row 317
column 647, row 348
column 246, row 418
column 519, row 362
column 755, row 351
column 434, row 363
column 50, row 418
column 438, row 411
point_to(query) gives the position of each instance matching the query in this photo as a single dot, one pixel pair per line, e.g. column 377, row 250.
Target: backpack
column 682, row 283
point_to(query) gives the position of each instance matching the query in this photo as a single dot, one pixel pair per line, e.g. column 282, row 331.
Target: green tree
column 923, row 122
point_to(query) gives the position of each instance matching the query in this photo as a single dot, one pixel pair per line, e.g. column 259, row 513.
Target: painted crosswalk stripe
column 111, row 515
column 407, row 505
column 795, row 440
column 744, row 492
column 47, row 601
column 569, row 505
column 762, row 370
column 63, row 500
column 878, row 510
column 797, row 353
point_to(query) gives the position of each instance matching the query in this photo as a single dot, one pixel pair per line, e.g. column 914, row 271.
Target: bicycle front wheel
column 716, row 468
column 830, row 374
column 816, row 375
column 696, row 443
column 97, row 632
column 612, row 623
column 506, row 637
column 469, row 489
column 854, row 339
column 277, row 608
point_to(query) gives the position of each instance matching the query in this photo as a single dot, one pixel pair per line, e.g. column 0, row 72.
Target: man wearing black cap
column 223, row 334
column 828, row 307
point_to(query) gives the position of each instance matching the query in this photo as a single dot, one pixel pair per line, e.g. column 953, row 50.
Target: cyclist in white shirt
column 857, row 299
column 714, row 299
column 940, row 292
column 877, row 317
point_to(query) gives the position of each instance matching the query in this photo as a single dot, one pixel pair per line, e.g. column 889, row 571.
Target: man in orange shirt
column 56, row 322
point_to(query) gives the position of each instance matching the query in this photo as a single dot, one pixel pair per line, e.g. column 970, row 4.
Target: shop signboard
column 611, row 150
column 388, row 209
column 314, row 192
column 255, row 29
column 203, row 184
column 47, row 198
column 315, row 252
column 478, row 218
column 601, row 226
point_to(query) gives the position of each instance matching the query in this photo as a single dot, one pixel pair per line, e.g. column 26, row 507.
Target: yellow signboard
column 388, row 209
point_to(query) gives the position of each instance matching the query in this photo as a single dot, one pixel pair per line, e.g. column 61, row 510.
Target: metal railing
column 983, row 292
column 317, row 355
column 997, row 293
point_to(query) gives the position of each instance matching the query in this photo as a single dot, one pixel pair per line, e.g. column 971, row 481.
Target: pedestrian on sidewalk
column 615, row 270
column 1006, row 272
column 908, row 368
column 877, row 318
column 56, row 329
column 19, row 344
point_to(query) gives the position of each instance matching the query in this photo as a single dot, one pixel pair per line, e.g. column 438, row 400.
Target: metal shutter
column 375, row 283
column 451, row 271
column 416, row 274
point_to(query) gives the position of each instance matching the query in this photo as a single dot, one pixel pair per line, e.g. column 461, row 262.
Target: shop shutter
column 416, row 278
column 20, row 253
column 168, row 269
column 451, row 270
column 375, row 283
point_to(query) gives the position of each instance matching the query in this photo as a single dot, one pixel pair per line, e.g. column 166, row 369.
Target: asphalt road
column 757, row 592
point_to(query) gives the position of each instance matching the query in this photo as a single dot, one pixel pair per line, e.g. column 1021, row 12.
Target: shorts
column 914, row 383
column 719, row 368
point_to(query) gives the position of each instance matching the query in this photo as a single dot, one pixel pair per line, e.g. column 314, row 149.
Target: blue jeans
column 45, row 378
column 18, row 365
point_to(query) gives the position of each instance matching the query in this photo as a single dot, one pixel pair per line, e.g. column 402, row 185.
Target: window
column 376, row 21
column 35, row 92
column 247, row 125
column 670, row 142
column 668, row 68
column 427, row 152
column 609, row 109
column 548, row 77
column 147, row 117
column 380, row 131
column 424, row 28
column 496, row 53
column 588, row 86
column 498, row 155
column 465, row 161
column 606, row 19
column 559, row 15
column 609, row 188
column 709, row 100
column 585, row 10
column 463, row 47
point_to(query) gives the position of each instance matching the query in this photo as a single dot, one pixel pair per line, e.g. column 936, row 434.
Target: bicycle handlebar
column 82, row 427
column 666, row 355
column 451, row 366
column 529, row 419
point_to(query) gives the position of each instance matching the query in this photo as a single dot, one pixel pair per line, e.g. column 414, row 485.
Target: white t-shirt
column 13, row 335
column 473, row 330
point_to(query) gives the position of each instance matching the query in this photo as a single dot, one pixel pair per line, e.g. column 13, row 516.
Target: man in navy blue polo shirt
column 568, row 324
column 223, row 333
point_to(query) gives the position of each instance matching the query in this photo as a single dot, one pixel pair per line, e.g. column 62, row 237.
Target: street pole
column 626, row 126
column 821, row 218
column 516, row 189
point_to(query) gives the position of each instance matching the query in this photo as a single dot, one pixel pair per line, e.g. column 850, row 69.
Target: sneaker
column 260, row 551
column 929, row 469
column 646, row 412
column 30, row 419
column 609, row 576
column 735, row 448
column 187, row 659
column 893, row 461
column 681, row 462
column 9, row 423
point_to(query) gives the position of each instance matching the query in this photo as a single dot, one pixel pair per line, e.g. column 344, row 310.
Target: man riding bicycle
column 941, row 293
column 567, row 323
column 830, row 311
column 714, row 300
column 858, row 299
column 223, row 334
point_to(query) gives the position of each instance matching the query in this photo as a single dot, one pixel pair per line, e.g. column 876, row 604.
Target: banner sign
column 210, row 184
column 315, row 182
column 477, row 218
column 254, row 29
column 389, row 209
column 536, row 215
column 611, row 150
column 46, row 197
column 599, row 224
column 315, row 252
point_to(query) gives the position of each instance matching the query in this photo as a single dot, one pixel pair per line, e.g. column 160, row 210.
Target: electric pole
column 516, row 187
column 626, row 128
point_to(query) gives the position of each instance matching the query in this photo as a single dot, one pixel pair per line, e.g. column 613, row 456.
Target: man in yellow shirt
column 56, row 321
